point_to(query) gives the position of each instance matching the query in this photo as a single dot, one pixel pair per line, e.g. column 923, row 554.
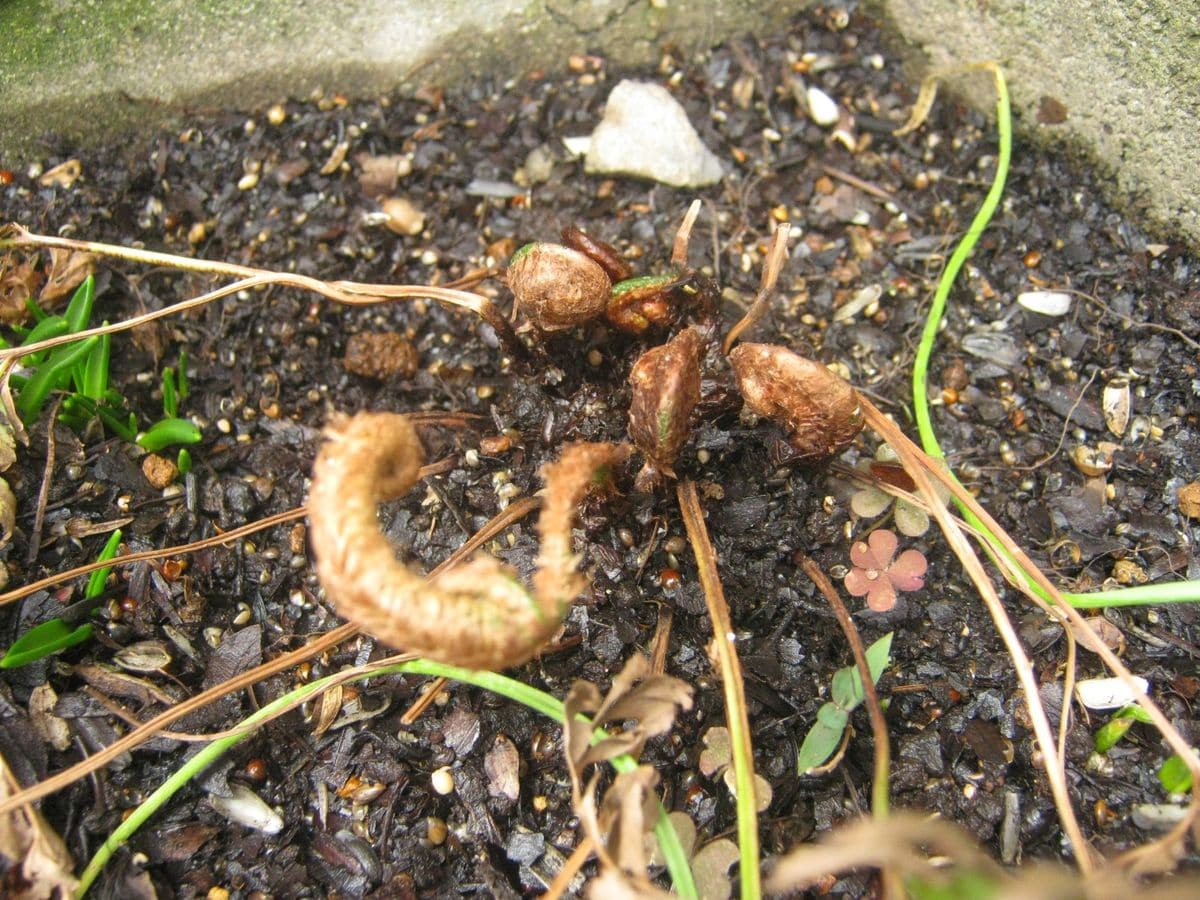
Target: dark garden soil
column 267, row 369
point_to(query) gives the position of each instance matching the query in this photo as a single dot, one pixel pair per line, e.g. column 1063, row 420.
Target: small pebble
column 442, row 780
column 1108, row 693
column 645, row 132
column 276, row 115
column 1188, row 497
column 248, row 181
column 159, row 470
column 1046, row 303
column 403, row 216
column 436, row 830
column 822, row 108
column 245, row 807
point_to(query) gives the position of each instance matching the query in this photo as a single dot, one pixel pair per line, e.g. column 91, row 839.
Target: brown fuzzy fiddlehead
column 477, row 615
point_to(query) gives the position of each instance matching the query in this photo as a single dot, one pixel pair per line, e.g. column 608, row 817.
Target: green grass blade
column 42, row 640
column 79, row 310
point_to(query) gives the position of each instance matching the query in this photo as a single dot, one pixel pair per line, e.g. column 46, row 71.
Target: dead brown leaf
column 68, row 269
column 502, row 764
column 618, row 828
column 380, row 174
column 331, row 705
column 18, row 280
column 1103, row 630
column 36, row 864
column 109, row 681
column 50, row 728
column 63, row 175
column 652, row 703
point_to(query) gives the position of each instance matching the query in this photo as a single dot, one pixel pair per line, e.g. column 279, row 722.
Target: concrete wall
column 1126, row 73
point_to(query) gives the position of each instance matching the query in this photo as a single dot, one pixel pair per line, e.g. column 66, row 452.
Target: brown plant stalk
column 731, row 676
column 912, row 458
column 879, row 788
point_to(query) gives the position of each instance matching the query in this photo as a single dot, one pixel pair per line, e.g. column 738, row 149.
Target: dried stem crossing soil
column 267, row 369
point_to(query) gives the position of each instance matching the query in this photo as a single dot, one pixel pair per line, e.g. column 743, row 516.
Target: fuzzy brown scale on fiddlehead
column 477, row 615
column 557, row 287
column 819, row 411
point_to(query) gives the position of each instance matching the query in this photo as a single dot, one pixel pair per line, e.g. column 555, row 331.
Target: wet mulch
column 1021, row 392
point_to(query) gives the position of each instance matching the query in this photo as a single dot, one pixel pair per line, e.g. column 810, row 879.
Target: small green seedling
column 57, row 634
column 80, row 369
column 172, row 429
column 847, row 693
column 1175, row 776
column 167, row 433
column 1108, row 734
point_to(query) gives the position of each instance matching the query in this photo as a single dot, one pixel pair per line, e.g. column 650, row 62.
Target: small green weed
column 847, row 693
column 81, row 370
column 57, row 634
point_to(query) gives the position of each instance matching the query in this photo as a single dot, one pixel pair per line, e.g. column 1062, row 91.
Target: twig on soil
column 1129, row 322
column 428, row 695
column 515, row 511
column 873, row 190
column 662, row 639
column 224, row 538
column 733, row 685
column 766, row 288
column 562, row 881
column 39, row 515
column 346, row 292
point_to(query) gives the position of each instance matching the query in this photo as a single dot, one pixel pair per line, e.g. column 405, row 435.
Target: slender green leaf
column 167, row 432
column 95, row 375
column 1110, row 732
column 79, row 310
column 182, row 375
column 965, row 885
column 170, row 395
column 95, row 585
column 1115, row 728
column 42, row 640
column 49, row 376
column 125, row 428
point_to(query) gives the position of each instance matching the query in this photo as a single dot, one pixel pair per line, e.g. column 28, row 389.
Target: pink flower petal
column 907, row 573
column 857, row 582
column 861, row 556
column 883, row 544
column 882, row 595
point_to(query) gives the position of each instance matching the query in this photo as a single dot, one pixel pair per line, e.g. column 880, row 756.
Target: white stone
column 1047, row 303
column 246, row 808
column 646, row 133
column 822, row 108
column 1109, row 693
